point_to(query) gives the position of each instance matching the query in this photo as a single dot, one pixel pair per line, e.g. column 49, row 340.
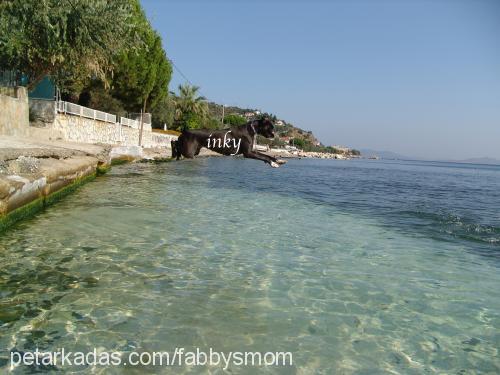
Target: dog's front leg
column 265, row 158
column 273, row 160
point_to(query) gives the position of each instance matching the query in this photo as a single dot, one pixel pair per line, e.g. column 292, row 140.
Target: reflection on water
column 232, row 255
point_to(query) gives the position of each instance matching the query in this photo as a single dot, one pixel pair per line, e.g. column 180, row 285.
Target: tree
column 159, row 91
column 234, row 120
column 213, row 123
column 142, row 75
column 164, row 112
column 74, row 38
column 97, row 97
column 266, row 115
column 191, row 109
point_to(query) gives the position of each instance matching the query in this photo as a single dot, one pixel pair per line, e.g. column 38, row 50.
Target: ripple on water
column 243, row 270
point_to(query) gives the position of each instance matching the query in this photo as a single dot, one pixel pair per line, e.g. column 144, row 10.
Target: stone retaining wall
column 14, row 111
column 85, row 130
column 46, row 123
column 74, row 128
column 42, row 112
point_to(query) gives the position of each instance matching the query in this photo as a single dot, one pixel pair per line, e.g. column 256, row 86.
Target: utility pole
column 140, row 130
column 223, row 106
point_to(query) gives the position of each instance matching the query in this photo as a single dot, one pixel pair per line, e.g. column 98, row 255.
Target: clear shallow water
column 355, row 267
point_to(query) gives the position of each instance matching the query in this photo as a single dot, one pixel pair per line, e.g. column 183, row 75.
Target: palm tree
column 189, row 105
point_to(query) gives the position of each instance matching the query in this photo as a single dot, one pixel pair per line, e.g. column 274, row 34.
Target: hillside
column 287, row 133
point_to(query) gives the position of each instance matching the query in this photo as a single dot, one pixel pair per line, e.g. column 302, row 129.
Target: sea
column 352, row 266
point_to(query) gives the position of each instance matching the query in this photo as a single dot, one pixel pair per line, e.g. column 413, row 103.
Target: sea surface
column 356, row 267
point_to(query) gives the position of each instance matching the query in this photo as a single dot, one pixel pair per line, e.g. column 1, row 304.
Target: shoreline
column 35, row 174
column 308, row 155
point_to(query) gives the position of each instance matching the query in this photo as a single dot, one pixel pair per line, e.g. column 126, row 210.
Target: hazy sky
column 421, row 78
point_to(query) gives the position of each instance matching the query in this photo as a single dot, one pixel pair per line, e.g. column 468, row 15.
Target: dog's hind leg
column 198, row 149
column 173, row 145
column 187, row 150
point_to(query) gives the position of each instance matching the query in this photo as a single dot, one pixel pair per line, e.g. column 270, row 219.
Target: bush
column 163, row 113
column 213, row 123
column 298, row 142
column 234, row 120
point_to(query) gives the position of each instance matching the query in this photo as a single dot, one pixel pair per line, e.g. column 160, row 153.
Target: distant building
column 279, row 123
column 250, row 115
column 342, row 148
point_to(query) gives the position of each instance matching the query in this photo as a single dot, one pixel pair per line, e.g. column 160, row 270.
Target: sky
column 421, row 78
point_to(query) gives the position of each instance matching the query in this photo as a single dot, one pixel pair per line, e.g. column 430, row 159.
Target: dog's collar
column 253, row 128
column 254, row 136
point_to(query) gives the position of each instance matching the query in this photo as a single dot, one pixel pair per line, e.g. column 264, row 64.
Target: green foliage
column 266, row 115
column 234, row 120
column 215, row 110
column 276, row 142
column 97, row 97
column 330, row 150
column 299, row 143
column 192, row 121
column 164, row 112
column 103, row 54
column 191, row 109
column 159, row 91
column 213, row 123
column 73, row 39
column 142, row 75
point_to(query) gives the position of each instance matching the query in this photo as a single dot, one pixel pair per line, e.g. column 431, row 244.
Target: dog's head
column 264, row 127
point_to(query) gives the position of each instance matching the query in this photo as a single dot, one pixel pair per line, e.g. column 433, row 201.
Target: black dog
column 234, row 141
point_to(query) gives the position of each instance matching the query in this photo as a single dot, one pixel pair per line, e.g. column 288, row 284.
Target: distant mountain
column 283, row 128
column 395, row 156
column 366, row 152
column 480, row 161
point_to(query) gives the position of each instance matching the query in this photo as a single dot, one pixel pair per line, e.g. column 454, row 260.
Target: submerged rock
column 11, row 314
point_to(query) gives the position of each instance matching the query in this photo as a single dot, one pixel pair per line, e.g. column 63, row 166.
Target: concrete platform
column 34, row 173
